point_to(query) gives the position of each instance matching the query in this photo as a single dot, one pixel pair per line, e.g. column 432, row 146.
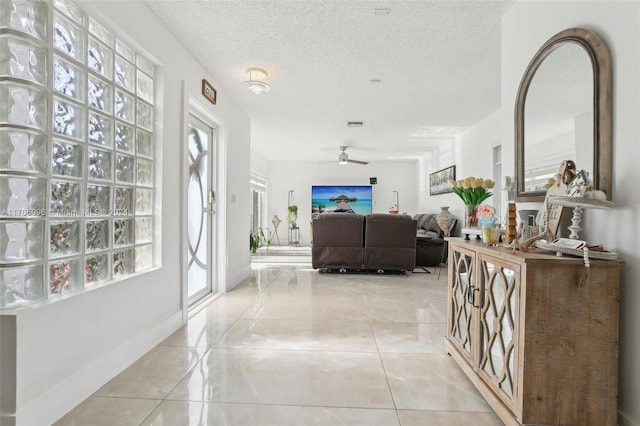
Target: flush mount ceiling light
column 255, row 83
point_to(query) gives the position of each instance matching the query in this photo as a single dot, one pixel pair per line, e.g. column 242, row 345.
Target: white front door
column 200, row 210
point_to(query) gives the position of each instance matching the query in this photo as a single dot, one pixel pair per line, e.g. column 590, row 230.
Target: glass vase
column 471, row 220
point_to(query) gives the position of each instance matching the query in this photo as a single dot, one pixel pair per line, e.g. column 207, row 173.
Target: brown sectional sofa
column 338, row 239
column 431, row 248
column 379, row 242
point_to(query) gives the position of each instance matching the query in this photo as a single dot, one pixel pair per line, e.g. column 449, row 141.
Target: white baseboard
column 55, row 403
column 237, row 277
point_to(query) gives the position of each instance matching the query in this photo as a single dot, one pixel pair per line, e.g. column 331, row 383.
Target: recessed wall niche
column 76, row 153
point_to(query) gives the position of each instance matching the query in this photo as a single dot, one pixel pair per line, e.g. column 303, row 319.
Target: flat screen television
column 341, row 199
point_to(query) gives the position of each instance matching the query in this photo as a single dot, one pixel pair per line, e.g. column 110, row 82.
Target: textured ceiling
column 438, row 63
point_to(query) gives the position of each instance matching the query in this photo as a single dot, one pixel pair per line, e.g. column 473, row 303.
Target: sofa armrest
column 431, row 251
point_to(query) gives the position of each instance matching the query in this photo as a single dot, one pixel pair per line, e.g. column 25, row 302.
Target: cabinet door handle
column 470, row 293
column 473, row 298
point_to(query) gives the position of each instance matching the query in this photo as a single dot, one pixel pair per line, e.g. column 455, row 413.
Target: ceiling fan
column 343, row 158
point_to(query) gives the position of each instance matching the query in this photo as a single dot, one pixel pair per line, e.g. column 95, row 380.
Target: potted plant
column 258, row 237
column 254, row 241
column 292, row 215
column 266, row 236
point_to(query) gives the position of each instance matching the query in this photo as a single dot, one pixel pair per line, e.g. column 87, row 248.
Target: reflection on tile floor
column 292, row 346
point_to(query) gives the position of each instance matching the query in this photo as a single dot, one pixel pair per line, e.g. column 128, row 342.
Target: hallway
column 293, row 346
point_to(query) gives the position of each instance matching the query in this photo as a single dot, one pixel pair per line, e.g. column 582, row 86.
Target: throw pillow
column 424, row 221
column 433, row 225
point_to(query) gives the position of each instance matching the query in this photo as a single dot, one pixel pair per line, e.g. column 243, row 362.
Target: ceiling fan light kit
column 343, row 158
column 255, row 83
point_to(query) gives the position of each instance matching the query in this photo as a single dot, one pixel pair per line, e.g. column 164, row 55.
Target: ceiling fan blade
column 358, row 162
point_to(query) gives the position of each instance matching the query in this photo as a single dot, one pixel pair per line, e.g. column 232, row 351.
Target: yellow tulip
column 469, row 182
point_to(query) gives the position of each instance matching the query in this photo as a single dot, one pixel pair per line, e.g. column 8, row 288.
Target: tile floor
column 292, row 346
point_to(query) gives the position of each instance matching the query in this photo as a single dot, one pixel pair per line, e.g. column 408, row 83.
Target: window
column 258, row 187
column 497, row 177
column 76, row 153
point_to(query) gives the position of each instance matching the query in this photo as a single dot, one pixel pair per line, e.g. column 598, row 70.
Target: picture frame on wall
column 209, row 92
column 439, row 181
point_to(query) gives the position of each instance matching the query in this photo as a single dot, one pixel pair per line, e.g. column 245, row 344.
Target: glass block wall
column 76, row 153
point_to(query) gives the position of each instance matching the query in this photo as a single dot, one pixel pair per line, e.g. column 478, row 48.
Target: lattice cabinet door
column 498, row 318
column 460, row 324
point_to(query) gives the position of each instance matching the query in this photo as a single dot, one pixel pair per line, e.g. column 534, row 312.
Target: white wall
column 259, row 165
column 525, row 28
column 471, row 153
column 299, row 177
column 68, row 349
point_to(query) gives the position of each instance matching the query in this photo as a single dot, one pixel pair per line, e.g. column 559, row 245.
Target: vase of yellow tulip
column 472, row 216
column 472, row 191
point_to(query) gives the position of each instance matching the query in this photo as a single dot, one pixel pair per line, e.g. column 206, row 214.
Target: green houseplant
column 254, row 241
column 292, row 215
column 256, row 238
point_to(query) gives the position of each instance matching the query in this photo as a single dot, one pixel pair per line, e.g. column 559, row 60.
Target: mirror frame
column 600, row 57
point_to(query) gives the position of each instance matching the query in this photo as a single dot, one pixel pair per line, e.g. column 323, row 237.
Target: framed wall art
column 439, row 181
column 209, row 92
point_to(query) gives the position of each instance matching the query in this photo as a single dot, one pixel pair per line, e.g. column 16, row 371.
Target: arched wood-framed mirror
column 566, row 88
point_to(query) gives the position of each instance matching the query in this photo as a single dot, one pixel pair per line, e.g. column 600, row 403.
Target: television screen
column 341, row 199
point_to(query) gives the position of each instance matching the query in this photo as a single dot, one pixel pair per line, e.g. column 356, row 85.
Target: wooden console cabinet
column 539, row 347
